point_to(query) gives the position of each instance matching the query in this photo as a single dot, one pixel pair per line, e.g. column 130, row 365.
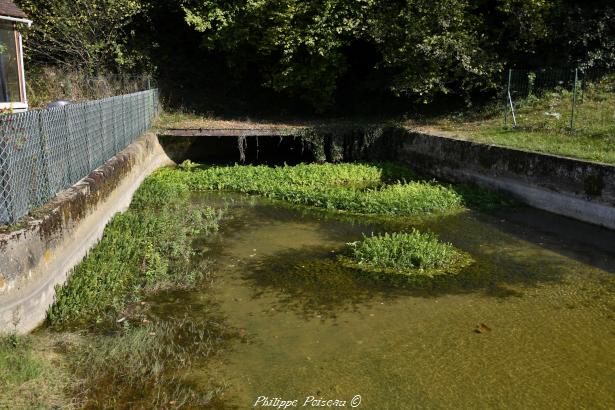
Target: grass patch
column 17, row 364
column 31, row 376
column 144, row 250
column 544, row 121
column 379, row 189
column 138, row 365
column 138, row 361
column 182, row 119
column 408, row 254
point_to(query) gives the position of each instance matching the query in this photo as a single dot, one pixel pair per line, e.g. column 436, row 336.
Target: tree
column 296, row 44
column 89, row 35
column 432, row 48
column 428, row 47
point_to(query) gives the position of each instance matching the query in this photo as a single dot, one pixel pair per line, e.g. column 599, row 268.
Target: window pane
column 9, row 68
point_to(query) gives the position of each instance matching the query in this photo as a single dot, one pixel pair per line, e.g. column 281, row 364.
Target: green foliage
column 380, row 189
column 46, row 84
column 17, row 365
column 90, row 35
column 146, row 249
column 425, row 45
column 313, row 51
column 544, row 123
column 433, row 48
column 304, row 39
column 413, row 253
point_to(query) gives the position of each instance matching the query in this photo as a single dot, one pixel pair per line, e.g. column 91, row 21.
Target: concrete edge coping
column 460, row 138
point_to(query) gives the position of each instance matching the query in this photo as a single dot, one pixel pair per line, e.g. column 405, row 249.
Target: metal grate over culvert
column 45, row 151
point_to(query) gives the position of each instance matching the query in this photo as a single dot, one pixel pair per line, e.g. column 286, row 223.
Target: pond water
column 543, row 286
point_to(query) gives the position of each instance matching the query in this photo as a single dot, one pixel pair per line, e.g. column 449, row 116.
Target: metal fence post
column 116, row 145
column 87, row 137
column 103, row 136
column 512, row 107
column 145, row 112
column 504, row 94
column 574, row 97
column 124, row 119
column 583, row 83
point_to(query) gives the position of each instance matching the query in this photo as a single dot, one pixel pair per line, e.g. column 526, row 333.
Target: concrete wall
column 578, row 189
column 39, row 255
column 574, row 188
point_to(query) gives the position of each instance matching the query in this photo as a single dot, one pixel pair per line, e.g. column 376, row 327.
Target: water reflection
column 315, row 327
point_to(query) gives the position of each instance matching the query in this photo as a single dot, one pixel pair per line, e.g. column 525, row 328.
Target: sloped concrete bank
column 574, row 188
column 40, row 254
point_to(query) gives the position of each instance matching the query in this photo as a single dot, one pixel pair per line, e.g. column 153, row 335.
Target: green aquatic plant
column 32, row 376
column 140, row 364
column 144, row 250
column 380, row 189
column 411, row 254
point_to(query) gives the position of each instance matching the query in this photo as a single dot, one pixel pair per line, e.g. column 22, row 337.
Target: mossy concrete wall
column 578, row 189
column 41, row 250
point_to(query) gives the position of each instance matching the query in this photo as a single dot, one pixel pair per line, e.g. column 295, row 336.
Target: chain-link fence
column 45, row 151
column 560, row 100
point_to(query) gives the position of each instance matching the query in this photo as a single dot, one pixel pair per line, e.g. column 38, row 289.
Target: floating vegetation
column 379, row 189
column 407, row 254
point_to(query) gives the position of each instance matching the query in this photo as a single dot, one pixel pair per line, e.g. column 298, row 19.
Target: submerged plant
column 412, row 253
column 146, row 365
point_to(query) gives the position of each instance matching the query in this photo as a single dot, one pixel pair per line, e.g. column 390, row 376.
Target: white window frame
column 18, row 106
column 14, row 106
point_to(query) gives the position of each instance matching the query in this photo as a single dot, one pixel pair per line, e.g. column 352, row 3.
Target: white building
column 12, row 79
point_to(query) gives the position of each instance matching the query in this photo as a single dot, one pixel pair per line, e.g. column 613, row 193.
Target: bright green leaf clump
column 380, row 189
column 144, row 250
column 413, row 253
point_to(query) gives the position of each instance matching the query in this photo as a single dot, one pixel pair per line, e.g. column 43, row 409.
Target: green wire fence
column 560, row 100
column 45, row 151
